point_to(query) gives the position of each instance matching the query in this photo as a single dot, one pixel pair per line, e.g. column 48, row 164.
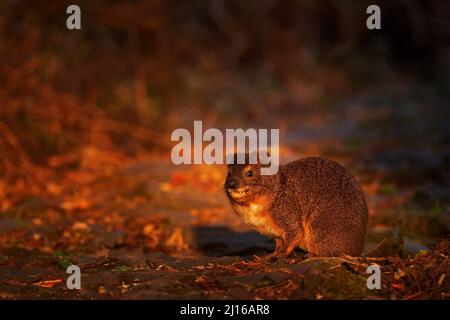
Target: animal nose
column 232, row 184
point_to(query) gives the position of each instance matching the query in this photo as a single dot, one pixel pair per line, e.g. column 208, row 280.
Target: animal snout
column 232, row 184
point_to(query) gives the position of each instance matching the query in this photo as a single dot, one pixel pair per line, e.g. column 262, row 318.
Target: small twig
column 377, row 247
column 375, row 258
column 413, row 296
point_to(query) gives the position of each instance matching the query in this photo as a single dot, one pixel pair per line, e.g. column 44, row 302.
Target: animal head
column 245, row 185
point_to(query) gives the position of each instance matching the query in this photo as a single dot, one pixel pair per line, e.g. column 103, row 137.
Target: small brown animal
column 312, row 203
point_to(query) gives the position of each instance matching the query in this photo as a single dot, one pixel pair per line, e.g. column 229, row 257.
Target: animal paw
column 275, row 256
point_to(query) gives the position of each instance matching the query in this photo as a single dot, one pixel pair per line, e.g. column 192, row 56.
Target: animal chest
column 258, row 218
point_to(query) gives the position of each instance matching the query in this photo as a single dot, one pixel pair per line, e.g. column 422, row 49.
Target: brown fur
column 312, row 203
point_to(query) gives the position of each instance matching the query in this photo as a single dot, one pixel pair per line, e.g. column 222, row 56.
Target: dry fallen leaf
column 101, row 290
column 200, row 279
column 441, row 279
column 54, row 189
column 15, row 282
column 124, row 287
column 80, row 226
column 165, row 186
column 47, row 283
column 398, row 286
column 37, row 222
column 81, row 204
column 399, row 274
column 177, row 240
column 149, row 230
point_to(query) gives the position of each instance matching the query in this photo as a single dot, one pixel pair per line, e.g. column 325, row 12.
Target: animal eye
column 249, row 173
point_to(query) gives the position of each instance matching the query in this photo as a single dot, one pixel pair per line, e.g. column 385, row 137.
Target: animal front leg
column 279, row 246
column 284, row 246
column 279, row 249
column 293, row 243
column 288, row 243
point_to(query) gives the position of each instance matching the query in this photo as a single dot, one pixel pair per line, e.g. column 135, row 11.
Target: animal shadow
column 223, row 241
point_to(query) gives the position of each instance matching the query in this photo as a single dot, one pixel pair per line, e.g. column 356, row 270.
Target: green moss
column 121, row 268
column 64, row 260
column 265, row 281
column 388, row 189
column 335, row 282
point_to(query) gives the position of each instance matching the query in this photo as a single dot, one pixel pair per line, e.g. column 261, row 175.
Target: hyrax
column 312, row 203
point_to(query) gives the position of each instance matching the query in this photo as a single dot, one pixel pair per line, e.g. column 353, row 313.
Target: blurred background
column 80, row 108
column 162, row 64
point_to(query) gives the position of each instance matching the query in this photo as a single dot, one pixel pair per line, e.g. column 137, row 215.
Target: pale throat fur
column 256, row 214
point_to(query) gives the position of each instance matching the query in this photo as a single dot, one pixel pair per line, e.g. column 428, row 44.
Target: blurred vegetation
column 138, row 68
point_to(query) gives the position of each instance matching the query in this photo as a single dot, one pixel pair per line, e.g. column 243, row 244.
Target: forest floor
column 146, row 229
